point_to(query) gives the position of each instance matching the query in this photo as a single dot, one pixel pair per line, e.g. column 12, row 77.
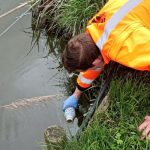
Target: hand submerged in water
column 145, row 128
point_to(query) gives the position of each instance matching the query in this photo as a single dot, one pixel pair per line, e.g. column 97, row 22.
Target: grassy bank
column 116, row 128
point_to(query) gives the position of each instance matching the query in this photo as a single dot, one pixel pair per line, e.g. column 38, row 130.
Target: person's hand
column 145, row 128
column 71, row 101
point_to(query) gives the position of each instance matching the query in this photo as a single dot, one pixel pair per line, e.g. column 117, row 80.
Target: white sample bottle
column 70, row 114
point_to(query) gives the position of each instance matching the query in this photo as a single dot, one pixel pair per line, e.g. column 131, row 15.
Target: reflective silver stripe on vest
column 115, row 19
column 85, row 80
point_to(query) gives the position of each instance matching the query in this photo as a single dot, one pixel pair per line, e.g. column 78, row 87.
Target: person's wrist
column 77, row 94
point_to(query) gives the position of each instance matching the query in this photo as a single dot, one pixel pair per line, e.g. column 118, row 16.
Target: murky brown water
column 25, row 76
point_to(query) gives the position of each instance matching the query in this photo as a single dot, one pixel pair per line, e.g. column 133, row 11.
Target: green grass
column 63, row 17
column 74, row 15
column 116, row 129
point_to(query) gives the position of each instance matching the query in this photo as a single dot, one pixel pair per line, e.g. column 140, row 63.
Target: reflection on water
column 26, row 76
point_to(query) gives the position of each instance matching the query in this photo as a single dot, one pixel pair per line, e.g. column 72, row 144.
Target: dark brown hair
column 80, row 53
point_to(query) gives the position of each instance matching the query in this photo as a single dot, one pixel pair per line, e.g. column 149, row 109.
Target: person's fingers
column 148, row 136
column 142, row 137
column 143, row 126
column 147, row 118
column 146, row 131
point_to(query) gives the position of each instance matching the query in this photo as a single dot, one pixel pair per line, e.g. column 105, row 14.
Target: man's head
column 80, row 53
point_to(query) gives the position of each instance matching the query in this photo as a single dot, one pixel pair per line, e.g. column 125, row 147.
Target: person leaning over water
column 119, row 32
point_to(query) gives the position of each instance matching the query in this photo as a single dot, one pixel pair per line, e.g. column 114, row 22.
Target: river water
column 24, row 75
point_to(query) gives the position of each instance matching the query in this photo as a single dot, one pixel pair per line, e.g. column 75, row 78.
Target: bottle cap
column 70, row 114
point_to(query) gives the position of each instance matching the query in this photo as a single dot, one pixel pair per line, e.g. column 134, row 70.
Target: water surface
column 24, row 75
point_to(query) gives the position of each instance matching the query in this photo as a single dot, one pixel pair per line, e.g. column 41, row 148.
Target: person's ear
column 97, row 61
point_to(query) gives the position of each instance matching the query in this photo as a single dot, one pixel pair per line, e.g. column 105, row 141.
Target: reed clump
column 63, row 17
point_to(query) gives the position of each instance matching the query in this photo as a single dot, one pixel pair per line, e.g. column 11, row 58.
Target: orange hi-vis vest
column 121, row 31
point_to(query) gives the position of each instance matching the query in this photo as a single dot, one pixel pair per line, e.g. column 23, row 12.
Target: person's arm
column 77, row 93
column 85, row 79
